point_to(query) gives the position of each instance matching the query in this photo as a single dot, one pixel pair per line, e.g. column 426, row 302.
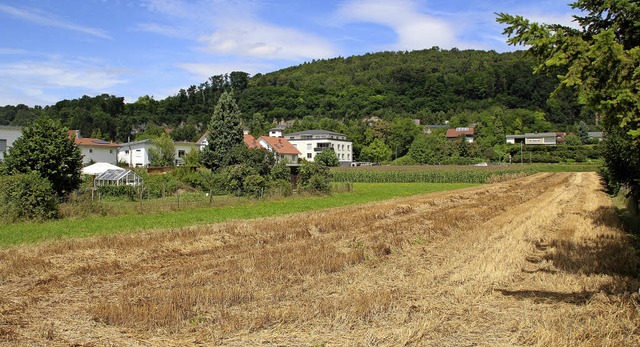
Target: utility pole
column 521, row 157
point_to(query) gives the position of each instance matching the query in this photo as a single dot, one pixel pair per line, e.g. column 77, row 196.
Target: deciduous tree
column 601, row 61
column 327, row 157
column 163, row 151
column 46, row 148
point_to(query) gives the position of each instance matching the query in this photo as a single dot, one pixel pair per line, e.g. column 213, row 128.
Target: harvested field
column 541, row 260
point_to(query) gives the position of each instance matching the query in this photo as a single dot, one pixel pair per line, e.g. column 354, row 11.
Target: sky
column 63, row 49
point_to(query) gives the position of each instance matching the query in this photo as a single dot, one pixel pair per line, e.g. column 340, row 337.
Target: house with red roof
column 281, row 148
column 467, row 133
column 95, row 150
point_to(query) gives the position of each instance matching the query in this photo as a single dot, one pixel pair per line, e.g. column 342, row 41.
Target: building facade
column 312, row 142
column 8, row 135
column 543, row 139
column 135, row 154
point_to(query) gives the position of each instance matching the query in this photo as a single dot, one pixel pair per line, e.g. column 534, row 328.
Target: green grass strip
column 24, row 233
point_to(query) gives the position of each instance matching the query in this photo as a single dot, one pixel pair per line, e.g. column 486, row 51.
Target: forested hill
column 433, row 85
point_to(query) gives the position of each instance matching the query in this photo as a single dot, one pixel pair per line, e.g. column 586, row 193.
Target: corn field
column 460, row 175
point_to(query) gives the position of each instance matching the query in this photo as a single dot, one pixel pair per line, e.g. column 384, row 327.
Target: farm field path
column 540, row 260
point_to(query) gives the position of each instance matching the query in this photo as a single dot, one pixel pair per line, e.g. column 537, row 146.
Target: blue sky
column 61, row 49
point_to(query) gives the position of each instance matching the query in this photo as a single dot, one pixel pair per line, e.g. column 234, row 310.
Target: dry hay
column 540, row 260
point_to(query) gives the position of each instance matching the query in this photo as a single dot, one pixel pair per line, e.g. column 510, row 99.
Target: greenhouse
column 118, row 178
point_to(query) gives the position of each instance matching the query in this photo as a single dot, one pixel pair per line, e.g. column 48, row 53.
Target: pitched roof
column 251, row 142
column 132, row 143
column 86, row 141
column 457, row 132
column 202, row 137
column 280, row 145
column 94, row 142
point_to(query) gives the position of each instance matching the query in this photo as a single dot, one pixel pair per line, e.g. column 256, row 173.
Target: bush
column 118, row 191
column 280, row 187
column 314, row 178
column 158, row 186
column 281, row 171
column 253, row 185
column 27, row 197
column 406, row 160
column 235, row 176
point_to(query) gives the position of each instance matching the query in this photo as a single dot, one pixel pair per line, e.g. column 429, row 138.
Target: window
column 347, row 147
column 180, row 153
column 3, row 145
column 90, row 150
column 308, row 155
column 111, row 151
column 126, row 151
column 308, row 146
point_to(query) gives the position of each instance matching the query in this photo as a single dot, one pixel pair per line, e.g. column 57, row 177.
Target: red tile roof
column 251, row 142
column 280, row 145
column 85, row 141
column 94, row 142
column 457, row 132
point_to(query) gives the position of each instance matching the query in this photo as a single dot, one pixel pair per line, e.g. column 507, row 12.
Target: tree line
column 432, row 85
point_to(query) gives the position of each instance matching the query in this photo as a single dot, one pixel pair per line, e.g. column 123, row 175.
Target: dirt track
column 536, row 261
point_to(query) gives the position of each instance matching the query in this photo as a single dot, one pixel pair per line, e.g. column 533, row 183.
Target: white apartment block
column 312, row 142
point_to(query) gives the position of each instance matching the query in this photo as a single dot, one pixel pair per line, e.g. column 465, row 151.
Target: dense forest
column 497, row 92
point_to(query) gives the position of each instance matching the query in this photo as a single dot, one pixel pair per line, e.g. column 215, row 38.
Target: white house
column 548, row 139
column 513, row 139
column 312, row 142
column 203, row 141
column 95, row 150
column 182, row 149
column 544, row 139
column 8, row 135
column 136, row 153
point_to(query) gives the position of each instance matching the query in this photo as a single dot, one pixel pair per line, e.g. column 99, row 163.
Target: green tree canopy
column 427, row 149
column 327, row 157
column 601, row 60
column 45, row 147
column 376, row 152
column 163, row 151
column 225, row 133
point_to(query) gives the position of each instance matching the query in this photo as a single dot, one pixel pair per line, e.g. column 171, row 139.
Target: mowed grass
column 23, row 233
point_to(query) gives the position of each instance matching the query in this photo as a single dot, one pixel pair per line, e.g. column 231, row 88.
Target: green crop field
column 449, row 174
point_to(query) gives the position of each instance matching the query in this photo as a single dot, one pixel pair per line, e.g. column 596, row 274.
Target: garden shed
column 117, row 178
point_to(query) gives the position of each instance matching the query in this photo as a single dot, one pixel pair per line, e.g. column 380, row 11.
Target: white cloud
column 252, row 38
column 49, row 20
column 40, row 82
column 11, row 51
column 164, row 30
column 414, row 30
column 233, row 28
